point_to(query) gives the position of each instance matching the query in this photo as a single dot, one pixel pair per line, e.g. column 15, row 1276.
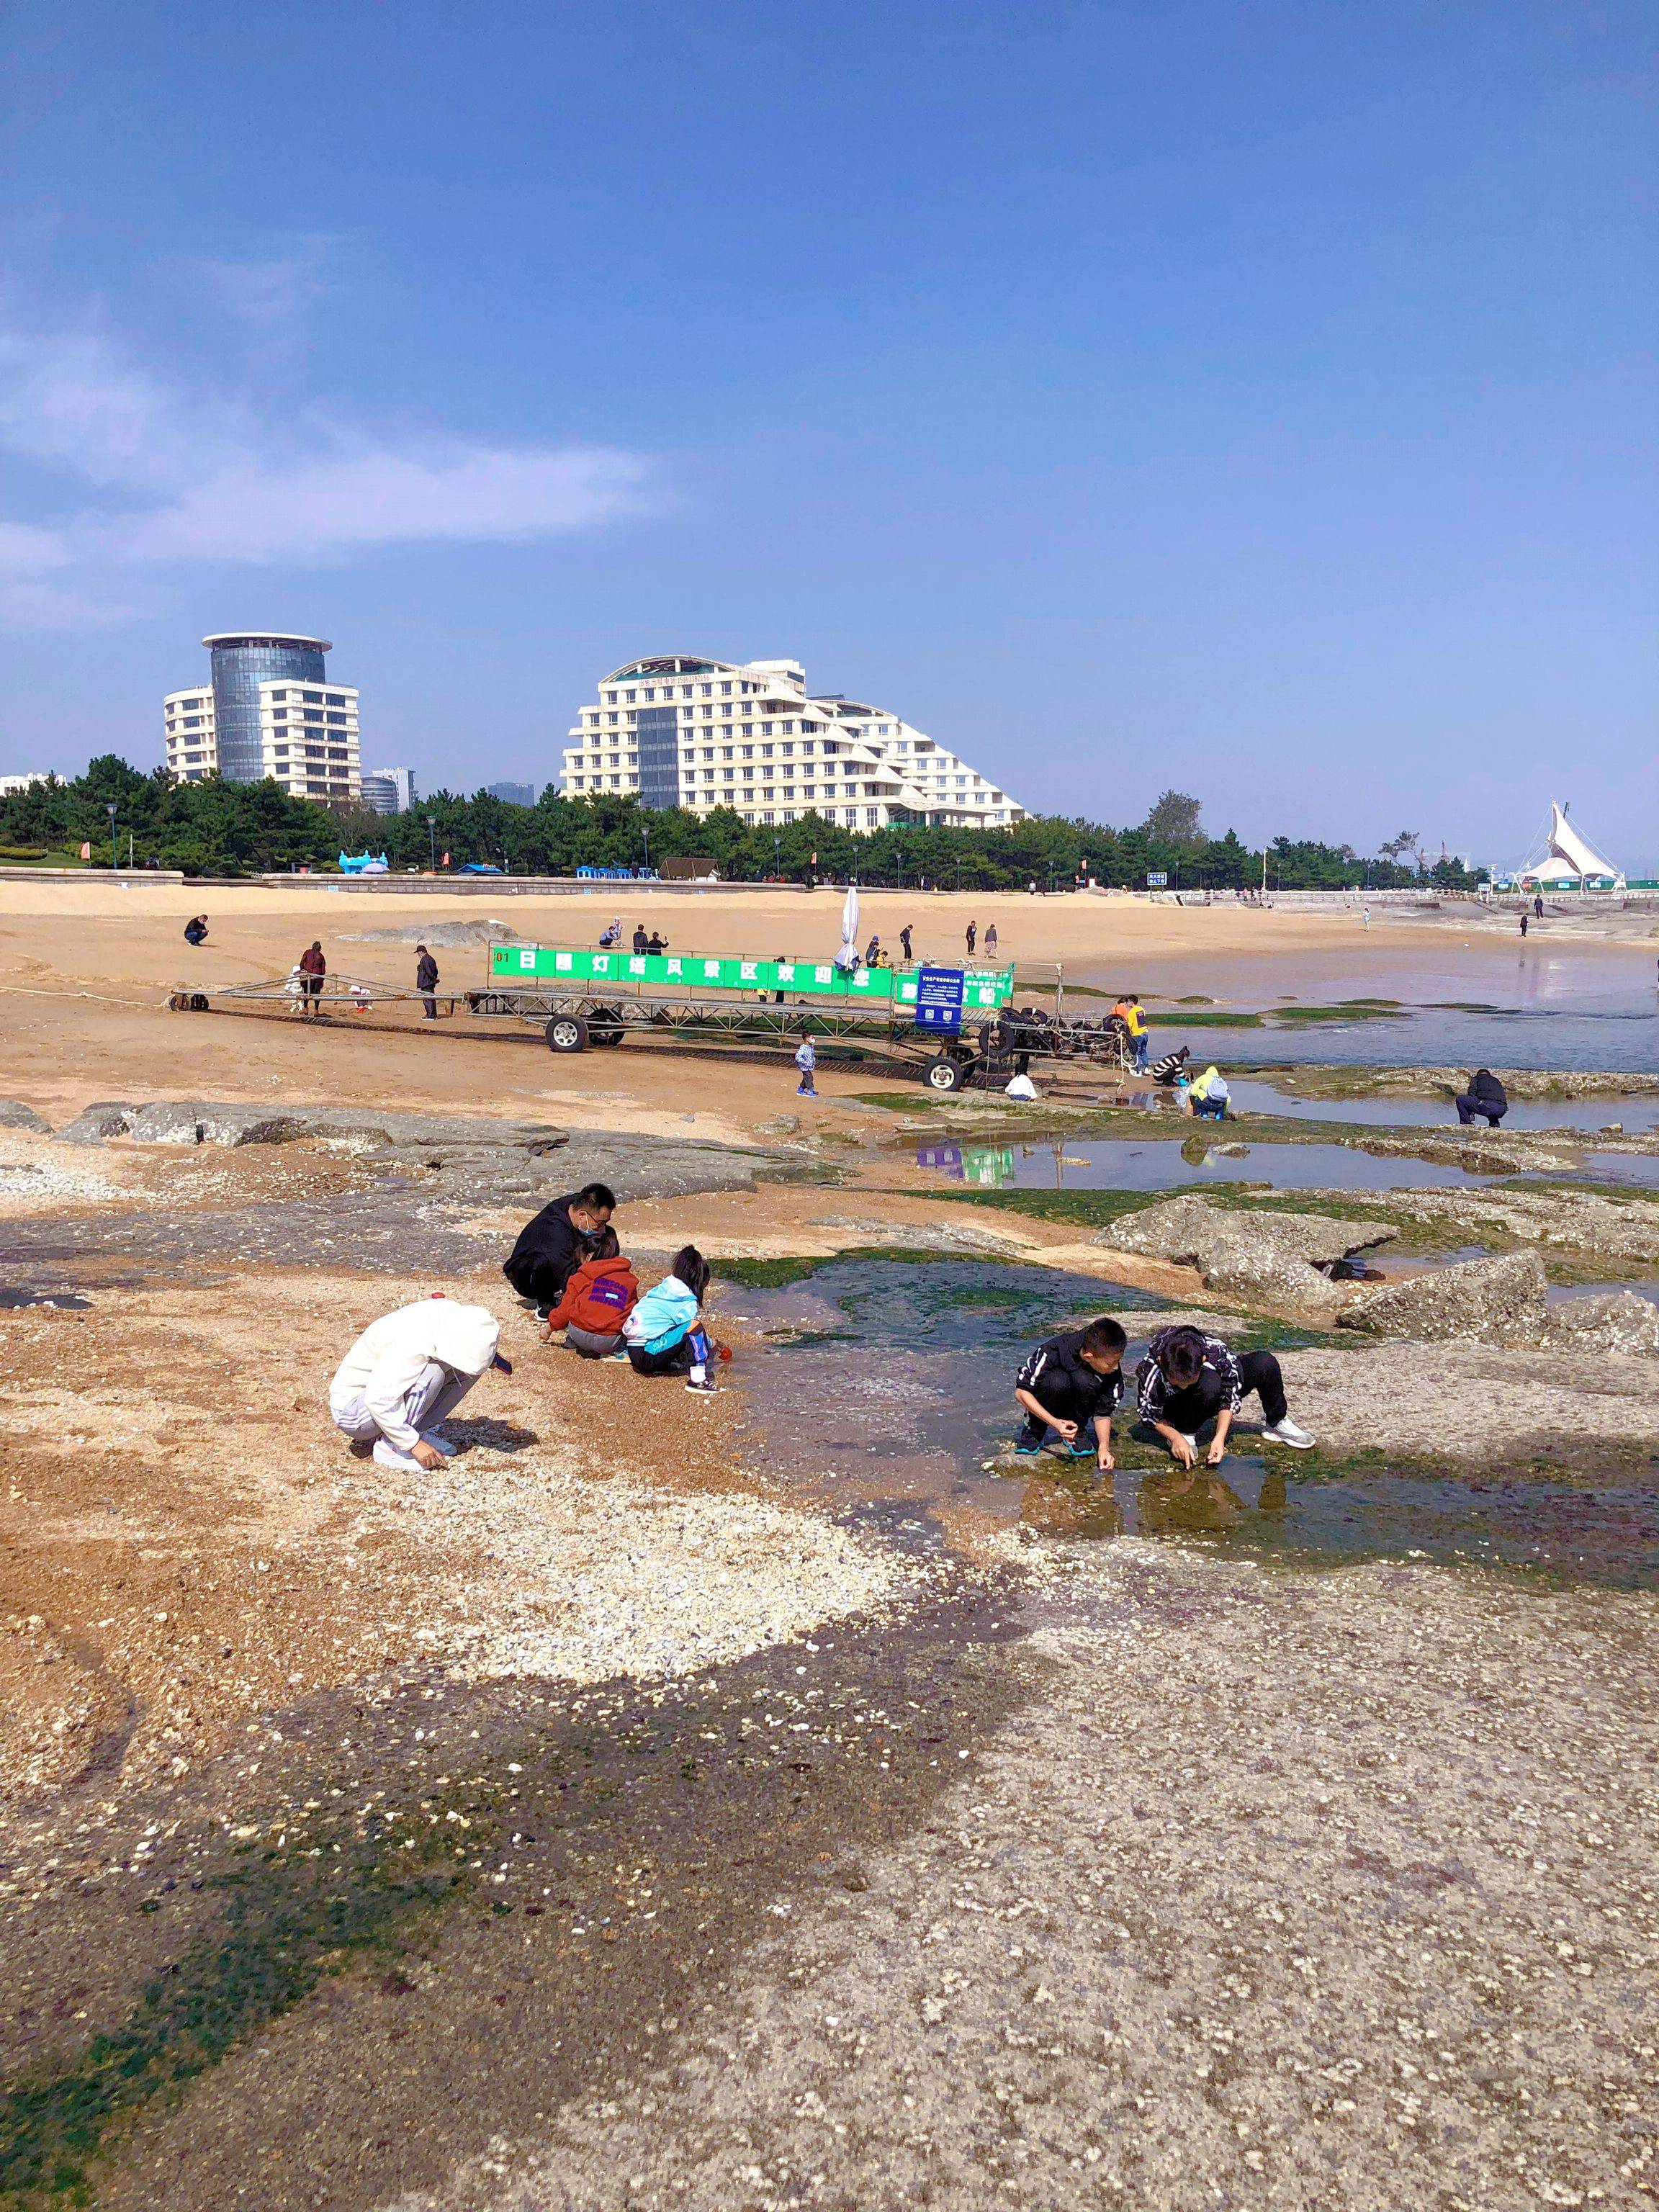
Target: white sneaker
column 439, row 1443
column 387, row 1454
column 1286, row 1432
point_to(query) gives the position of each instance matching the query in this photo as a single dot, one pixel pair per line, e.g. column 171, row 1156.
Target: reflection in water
column 1175, row 1501
column 893, row 1389
column 1160, row 1163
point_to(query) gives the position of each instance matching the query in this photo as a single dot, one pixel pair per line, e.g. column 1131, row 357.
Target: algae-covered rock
column 1498, row 1301
column 1608, row 1321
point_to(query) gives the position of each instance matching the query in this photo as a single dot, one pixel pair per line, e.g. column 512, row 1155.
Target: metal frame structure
column 581, row 1020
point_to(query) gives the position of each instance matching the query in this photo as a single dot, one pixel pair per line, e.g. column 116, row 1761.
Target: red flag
column 445, row 860
column 86, row 851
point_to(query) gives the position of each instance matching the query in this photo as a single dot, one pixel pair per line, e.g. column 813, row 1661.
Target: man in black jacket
column 1069, row 1386
column 1486, row 1095
column 552, row 1246
column 425, row 980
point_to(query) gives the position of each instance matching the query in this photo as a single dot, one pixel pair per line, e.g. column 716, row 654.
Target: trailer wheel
column 567, row 1033
column 943, row 1074
column 604, row 1026
column 198, row 1003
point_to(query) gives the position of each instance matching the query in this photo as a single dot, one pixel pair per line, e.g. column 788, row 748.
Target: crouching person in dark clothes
column 1069, row 1388
column 554, row 1244
column 1187, row 1378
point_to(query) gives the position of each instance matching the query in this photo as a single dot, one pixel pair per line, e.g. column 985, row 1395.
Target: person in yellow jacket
column 1133, row 1015
column 1209, row 1096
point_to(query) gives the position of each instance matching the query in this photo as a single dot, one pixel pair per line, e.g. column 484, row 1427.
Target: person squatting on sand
column 1187, row 1378
column 664, row 1333
column 553, row 1243
column 597, row 1300
column 408, row 1372
column 1070, row 1387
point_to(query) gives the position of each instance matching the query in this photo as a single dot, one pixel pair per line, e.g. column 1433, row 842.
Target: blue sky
column 1260, row 400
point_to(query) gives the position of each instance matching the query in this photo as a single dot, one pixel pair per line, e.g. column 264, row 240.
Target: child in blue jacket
column 665, row 1333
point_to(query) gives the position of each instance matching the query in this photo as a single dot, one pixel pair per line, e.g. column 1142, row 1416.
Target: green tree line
column 217, row 828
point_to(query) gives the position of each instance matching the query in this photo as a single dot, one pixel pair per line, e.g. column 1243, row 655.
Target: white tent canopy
column 1569, row 857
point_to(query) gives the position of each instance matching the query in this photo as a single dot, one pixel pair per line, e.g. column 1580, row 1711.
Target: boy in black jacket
column 1070, row 1385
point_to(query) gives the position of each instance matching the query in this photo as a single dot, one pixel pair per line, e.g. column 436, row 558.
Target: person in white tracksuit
column 407, row 1372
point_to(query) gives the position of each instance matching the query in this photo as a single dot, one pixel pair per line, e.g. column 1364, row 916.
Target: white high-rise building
column 268, row 711
column 682, row 732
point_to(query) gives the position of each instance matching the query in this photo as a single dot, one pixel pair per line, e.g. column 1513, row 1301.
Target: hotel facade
column 679, row 731
column 267, row 710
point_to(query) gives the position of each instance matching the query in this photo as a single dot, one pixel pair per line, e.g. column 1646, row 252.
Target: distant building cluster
column 683, row 731
column 672, row 731
column 268, row 711
column 11, row 785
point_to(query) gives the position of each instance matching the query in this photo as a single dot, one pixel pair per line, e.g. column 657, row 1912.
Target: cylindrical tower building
column 242, row 660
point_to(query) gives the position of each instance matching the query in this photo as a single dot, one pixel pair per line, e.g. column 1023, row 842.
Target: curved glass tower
column 242, row 660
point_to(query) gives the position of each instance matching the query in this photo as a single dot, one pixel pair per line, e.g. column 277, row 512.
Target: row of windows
column 831, row 749
column 785, row 728
column 650, row 691
column 314, row 698
column 311, row 715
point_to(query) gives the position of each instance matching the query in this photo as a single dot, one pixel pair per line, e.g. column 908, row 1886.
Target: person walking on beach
column 1538, row 905
column 313, row 969
column 1525, row 919
column 973, row 937
column 991, row 942
column 904, row 939
column 1368, row 917
column 1070, row 1385
column 1187, row 1378
column 806, row 1060
column 426, row 981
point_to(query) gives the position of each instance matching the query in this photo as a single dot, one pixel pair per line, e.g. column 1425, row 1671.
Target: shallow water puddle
column 889, row 1392
column 1224, row 1155
column 1226, row 1152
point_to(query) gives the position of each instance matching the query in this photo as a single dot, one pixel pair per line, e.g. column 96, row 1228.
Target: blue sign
column 938, row 998
column 1155, row 878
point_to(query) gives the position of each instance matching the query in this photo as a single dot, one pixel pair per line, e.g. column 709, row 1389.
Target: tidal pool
column 890, row 1386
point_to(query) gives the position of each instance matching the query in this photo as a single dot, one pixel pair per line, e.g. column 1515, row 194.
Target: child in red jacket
column 597, row 1300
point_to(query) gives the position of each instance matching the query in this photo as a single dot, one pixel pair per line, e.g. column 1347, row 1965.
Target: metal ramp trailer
column 584, row 1000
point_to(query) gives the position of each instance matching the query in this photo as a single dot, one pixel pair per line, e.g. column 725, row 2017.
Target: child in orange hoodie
column 597, row 1300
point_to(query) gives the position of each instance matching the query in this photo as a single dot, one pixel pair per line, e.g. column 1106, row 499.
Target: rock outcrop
column 105, row 1117
column 478, row 1161
column 1606, row 1321
column 1248, row 1253
column 1498, row 1301
column 14, row 1115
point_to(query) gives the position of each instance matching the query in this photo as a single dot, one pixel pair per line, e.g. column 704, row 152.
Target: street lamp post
column 109, row 809
column 646, row 833
column 777, row 861
column 432, row 842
